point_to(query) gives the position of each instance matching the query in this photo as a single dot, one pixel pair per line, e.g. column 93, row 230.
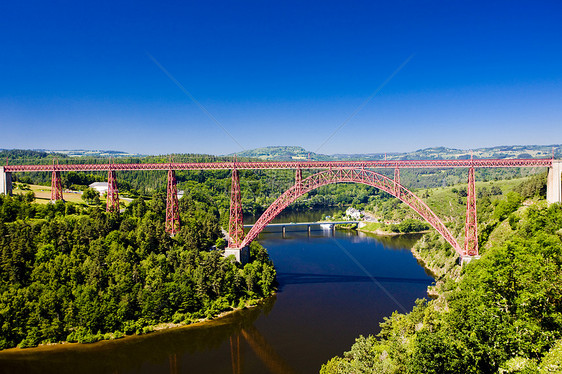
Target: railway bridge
column 327, row 172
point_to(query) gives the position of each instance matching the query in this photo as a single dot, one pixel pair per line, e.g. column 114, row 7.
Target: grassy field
column 43, row 194
column 444, row 201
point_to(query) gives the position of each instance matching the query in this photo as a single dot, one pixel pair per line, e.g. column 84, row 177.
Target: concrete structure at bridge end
column 554, row 183
column 466, row 259
column 5, row 182
column 241, row 255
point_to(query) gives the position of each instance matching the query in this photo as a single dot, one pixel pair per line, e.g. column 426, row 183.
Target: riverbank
column 382, row 232
column 404, row 228
column 147, row 330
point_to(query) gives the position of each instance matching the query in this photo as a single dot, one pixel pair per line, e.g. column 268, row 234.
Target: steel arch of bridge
column 362, row 176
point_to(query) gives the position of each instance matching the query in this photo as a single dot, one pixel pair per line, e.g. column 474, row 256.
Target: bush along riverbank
column 69, row 272
column 502, row 313
column 407, row 226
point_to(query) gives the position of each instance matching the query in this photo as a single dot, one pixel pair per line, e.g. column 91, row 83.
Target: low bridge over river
column 282, row 227
column 329, row 172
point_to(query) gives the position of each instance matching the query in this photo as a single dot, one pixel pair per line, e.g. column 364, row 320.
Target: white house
column 101, row 187
column 353, row 213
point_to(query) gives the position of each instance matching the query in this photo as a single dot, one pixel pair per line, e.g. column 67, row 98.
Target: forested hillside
column 502, row 313
column 76, row 273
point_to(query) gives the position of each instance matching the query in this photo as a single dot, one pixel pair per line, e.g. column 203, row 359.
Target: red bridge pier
column 471, row 223
column 172, row 205
column 112, row 202
column 236, row 223
column 56, row 186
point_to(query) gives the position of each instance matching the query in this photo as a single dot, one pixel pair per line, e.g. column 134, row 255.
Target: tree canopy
column 502, row 314
column 76, row 273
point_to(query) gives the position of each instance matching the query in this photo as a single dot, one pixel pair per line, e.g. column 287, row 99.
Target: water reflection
column 404, row 241
column 174, row 363
column 297, row 216
column 303, row 278
column 132, row 353
column 265, row 351
column 235, row 355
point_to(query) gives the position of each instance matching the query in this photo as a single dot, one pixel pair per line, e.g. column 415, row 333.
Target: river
column 333, row 287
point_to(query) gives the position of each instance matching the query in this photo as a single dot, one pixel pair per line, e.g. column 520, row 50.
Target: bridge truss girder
column 264, row 165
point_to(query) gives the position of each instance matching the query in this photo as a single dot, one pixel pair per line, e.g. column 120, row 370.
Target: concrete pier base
column 241, row 255
column 466, row 259
column 554, row 184
column 5, row 182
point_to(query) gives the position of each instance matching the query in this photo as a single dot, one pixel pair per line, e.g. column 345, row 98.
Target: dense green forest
column 502, row 313
column 71, row 272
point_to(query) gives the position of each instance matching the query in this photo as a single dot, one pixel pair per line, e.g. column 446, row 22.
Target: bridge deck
column 305, row 223
column 391, row 164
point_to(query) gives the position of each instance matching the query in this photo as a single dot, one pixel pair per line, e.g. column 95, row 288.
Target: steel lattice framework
column 298, row 179
column 236, row 223
column 391, row 164
column 56, row 186
column 172, row 205
column 471, row 224
column 396, row 182
column 363, row 176
column 112, row 204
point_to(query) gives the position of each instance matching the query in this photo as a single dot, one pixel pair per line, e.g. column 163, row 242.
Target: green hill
column 295, row 153
column 282, row 153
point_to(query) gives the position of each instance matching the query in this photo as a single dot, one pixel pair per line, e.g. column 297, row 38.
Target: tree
column 85, row 277
column 220, row 243
column 91, row 196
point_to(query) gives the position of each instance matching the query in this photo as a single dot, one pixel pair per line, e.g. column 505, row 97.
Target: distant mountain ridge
column 280, row 153
column 77, row 152
column 91, row 153
column 296, row 153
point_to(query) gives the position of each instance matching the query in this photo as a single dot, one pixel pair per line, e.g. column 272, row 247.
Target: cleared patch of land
column 43, row 194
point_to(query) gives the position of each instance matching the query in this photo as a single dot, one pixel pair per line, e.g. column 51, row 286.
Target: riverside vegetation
column 502, row 313
column 71, row 272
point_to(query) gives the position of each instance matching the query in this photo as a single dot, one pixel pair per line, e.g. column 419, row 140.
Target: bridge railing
column 477, row 163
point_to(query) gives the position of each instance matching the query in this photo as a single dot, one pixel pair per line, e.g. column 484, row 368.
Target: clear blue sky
column 279, row 73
